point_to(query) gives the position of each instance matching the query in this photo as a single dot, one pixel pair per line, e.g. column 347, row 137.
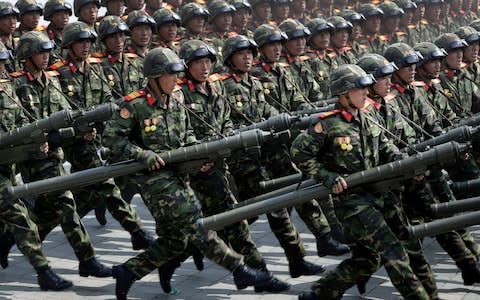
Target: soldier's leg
column 329, row 211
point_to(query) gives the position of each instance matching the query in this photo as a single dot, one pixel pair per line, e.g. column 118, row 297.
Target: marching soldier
column 142, row 27
column 242, row 17
column 357, row 21
column 431, row 27
column 470, row 54
column 280, row 10
column 8, row 23
column 371, row 28
column 261, row 14
column 87, row 11
column 58, row 13
column 30, row 13
column 392, row 14
column 168, row 23
column 194, row 18
column 407, row 23
column 113, row 7
column 339, row 51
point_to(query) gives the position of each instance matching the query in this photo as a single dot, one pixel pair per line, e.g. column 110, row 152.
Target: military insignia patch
column 344, row 142
column 124, row 113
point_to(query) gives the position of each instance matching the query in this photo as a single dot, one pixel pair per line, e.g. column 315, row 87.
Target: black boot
column 337, row 233
column 244, row 277
column 6, row 243
column 165, row 273
column 273, row 286
column 308, row 296
column 197, row 257
column 141, row 240
column 362, row 286
column 326, row 245
column 470, row 273
column 299, row 267
column 100, row 214
column 124, row 280
column 93, row 267
column 49, row 280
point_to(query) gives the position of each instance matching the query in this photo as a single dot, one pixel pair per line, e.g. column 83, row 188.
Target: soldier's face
column 420, row 12
column 60, row 19
column 407, row 18
column 470, row 54
column 167, row 82
column 196, row 24
column 431, row 69
column 241, row 18
column 382, row 86
column 390, row 25
column 433, row 12
column 88, row 13
column 454, row 59
column 115, row 7
column 406, row 74
column 135, row 4
column 299, row 5
column 115, row 42
column 80, row 50
column 339, row 39
column 243, row 60
column 155, row 4
column 167, row 32
column 200, row 69
column 141, row 35
column 40, row 60
column 30, row 20
column 456, row 5
column 281, row 11
column 263, row 11
column 8, row 24
column 372, row 25
column 296, row 47
column 271, row 51
column 358, row 97
column 321, row 40
column 223, row 22
column 356, row 31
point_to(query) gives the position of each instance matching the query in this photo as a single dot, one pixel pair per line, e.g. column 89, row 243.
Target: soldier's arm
column 475, row 99
column 227, row 125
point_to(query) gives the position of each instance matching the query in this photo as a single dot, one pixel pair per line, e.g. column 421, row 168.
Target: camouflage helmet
column 77, row 31
column 27, row 6
column 161, row 61
column 265, row 34
column 242, row 4
column 391, row 9
column 450, row 42
column 406, row 4
column 5, row 54
column 403, row 55
column 139, row 17
column 219, row 7
column 469, row 34
column 318, row 25
column 429, row 51
column 258, row 2
column 294, row 29
column 78, row 4
column 377, row 65
column 111, row 25
column 369, row 10
column 340, row 23
column 347, row 77
column 196, row 49
column 7, row 9
column 33, row 42
column 237, row 43
column 164, row 15
column 475, row 24
column 191, row 10
column 52, row 6
column 352, row 16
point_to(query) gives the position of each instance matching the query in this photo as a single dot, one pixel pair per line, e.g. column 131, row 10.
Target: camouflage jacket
column 341, row 144
column 246, row 100
column 473, row 70
column 54, row 35
column 439, row 102
column 321, row 65
column 85, row 89
column 216, row 40
column 411, row 101
column 462, row 92
column 304, row 79
column 12, row 64
column 374, row 44
column 123, row 75
column 207, row 107
column 341, row 57
column 277, row 82
column 430, row 32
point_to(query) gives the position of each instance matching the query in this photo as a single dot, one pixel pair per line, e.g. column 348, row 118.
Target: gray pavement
column 113, row 247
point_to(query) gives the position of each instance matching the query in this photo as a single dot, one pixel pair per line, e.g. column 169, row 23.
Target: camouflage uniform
column 161, row 17
column 11, row 42
column 363, row 145
column 392, row 10
column 372, row 42
column 25, row 7
column 139, row 18
column 243, row 5
column 345, row 54
column 187, row 12
column 357, row 20
column 54, row 33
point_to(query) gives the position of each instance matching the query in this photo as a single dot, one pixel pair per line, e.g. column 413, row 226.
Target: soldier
column 392, row 14
column 141, row 27
column 328, row 150
column 133, row 5
column 431, row 27
column 280, row 10
column 30, row 13
column 14, row 213
column 242, row 17
column 8, row 22
column 194, row 18
column 371, row 28
column 339, row 51
column 470, row 54
column 151, row 6
column 58, row 13
column 357, row 21
column 166, row 192
column 113, row 7
column 460, row 14
column 261, row 14
column 318, row 43
column 299, row 11
column 41, row 95
column 407, row 23
column 168, row 23
column 87, row 11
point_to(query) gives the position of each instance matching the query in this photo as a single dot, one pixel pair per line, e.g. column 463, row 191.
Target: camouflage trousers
column 373, row 244
column 175, row 209
column 84, row 156
column 16, row 222
column 212, row 189
column 57, row 208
